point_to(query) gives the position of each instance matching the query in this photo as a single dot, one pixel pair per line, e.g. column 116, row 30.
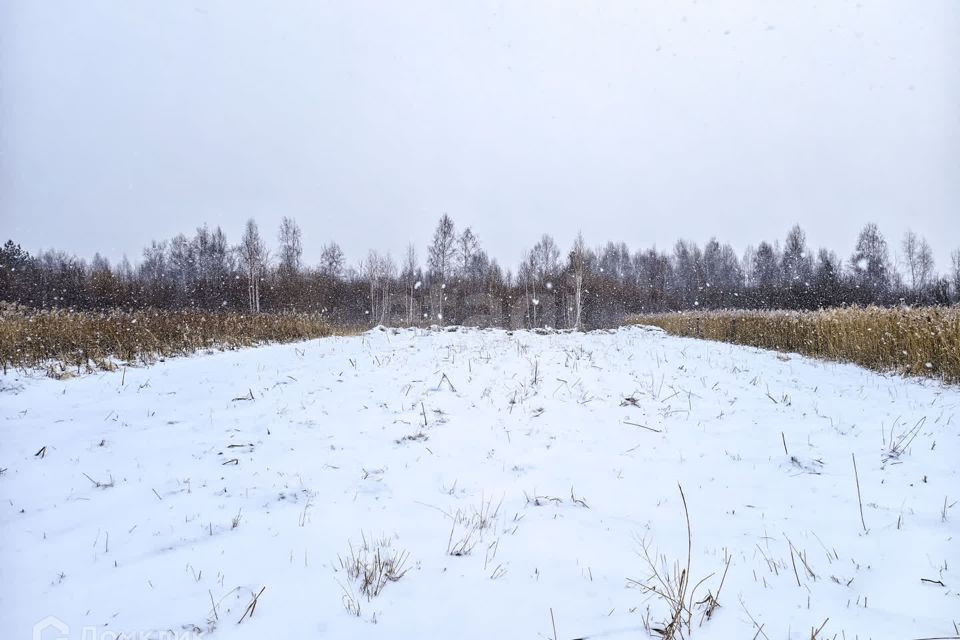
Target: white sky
column 127, row 120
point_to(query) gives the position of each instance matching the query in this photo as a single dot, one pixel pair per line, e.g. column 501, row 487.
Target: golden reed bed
column 922, row 341
column 69, row 341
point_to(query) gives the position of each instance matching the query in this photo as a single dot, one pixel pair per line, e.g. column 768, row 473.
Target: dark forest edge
column 201, row 293
column 461, row 284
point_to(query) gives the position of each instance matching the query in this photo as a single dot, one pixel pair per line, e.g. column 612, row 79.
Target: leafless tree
column 440, row 260
column 182, row 265
column 543, row 258
column 955, row 273
column 910, row 247
column 688, row 282
column 379, row 270
column 211, row 265
column 925, row 266
column 412, row 282
column 443, row 249
column 870, row 262
column 722, row 275
column 289, row 274
column 796, row 263
column 153, row 274
column 653, row 270
column 593, row 289
column 578, row 269
column 467, row 247
column 253, row 258
column 291, row 246
column 331, row 261
column 917, row 261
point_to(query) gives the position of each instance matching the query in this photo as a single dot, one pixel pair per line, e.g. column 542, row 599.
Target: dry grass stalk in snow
column 372, row 566
column 922, row 341
column 467, row 527
column 670, row 583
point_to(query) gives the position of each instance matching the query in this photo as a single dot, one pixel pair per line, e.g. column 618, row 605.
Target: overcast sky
column 127, row 120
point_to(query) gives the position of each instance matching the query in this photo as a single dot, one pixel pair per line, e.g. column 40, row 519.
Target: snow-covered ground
column 162, row 499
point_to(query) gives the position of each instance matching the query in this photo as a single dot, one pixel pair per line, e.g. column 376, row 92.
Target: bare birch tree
column 578, row 268
column 410, row 277
column 291, row 246
column 253, row 258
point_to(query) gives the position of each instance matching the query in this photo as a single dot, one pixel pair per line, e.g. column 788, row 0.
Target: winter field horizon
column 547, row 320
column 457, row 482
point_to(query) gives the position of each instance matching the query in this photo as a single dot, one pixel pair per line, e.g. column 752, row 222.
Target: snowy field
column 510, row 475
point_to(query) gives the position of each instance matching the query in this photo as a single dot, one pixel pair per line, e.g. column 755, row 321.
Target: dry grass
column 923, row 341
column 467, row 527
column 371, row 566
column 670, row 584
column 65, row 342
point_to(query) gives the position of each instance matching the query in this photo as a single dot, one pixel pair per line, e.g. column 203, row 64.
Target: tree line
column 459, row 283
